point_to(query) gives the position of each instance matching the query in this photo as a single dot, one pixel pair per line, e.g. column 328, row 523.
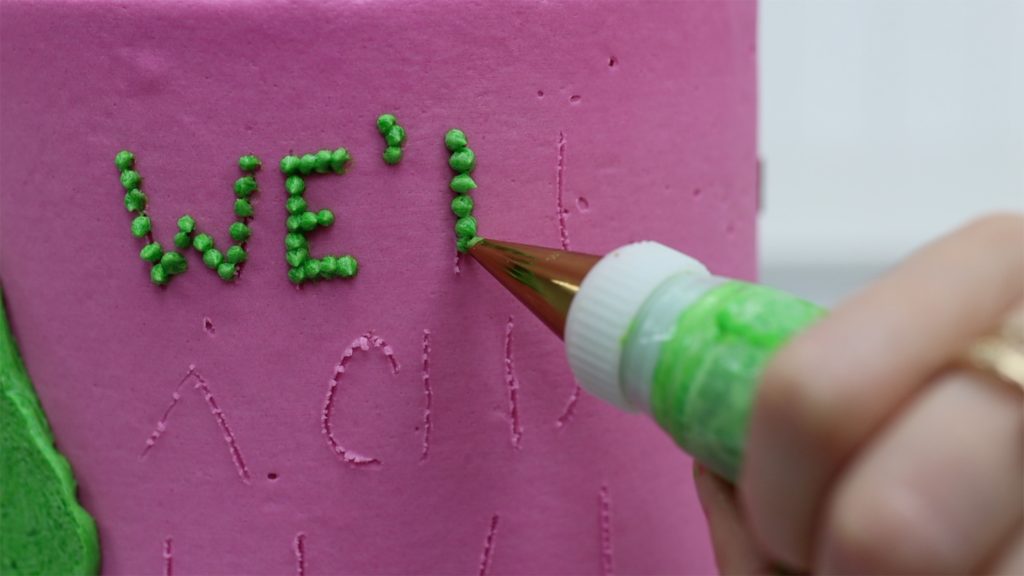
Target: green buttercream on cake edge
column 43, row 529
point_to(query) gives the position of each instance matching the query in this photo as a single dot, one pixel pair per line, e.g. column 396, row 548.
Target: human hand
column 868, row 450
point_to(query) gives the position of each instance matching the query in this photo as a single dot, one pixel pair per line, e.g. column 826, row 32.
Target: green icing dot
column 464, row 244
column 187, row 224
column 245, row 186
column 339, row 159
column 173, row 263
column 130, row 179
column 297, row 257
column 182, row 240
column 290, row 164
column 395, row 136
column 296, row 275
column 328, row 267
column 322, row 162
column 307, row 162
column 249, row 163
column 296, row 205
column 212, row 258
column 141, row 226
column 158, row 275
column 385, row 122
column 295, row 185
column 227, row 271
column 202, row 242
column 312, row 268
column 135, row 200
column 124, row 160
column 462, row 183
column 462, row 205
column 293, row 223
column 347, row 266
column 325, row 218
column 294, row 240
column 239, row 231
column 465, row 227
column 392, row 155
column 151, row 252
column 455, row 140
column 236, row 255
column 307, row 221
column 243, row 208
column 462, row 160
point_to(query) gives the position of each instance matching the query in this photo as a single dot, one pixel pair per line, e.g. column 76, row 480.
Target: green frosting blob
column 295, row 185
column 243, row 208
column 187, row 224
column 312, row 268
column 293, row 223
column 182, row 240
column 455, row 140
column 462, row 205
column 245, row 186
column 135, row 200
column 395, row 136
column 328, row 267
column 130, row 179
column 392, row 155
column 339, row 160
column 307, row 221
column 296, row 257
column 239, row 231
column 462, row 183
column 465, row 227
column 202, row 242
column 307, row 162
column 462, row 161
column 141, row 226
column 227, row 271
column 173, row 263
column 347, row 266
column 212, row 258
column 290, row 165
column 707, row 371
column 151, row 252
column 324, row 218
column 249, row 163
column 158, row 275
column 293, row 240
column 296, row 275
column 124, row 160
column 296, row 205
column 236, row 255
column 322, row 163
column 385, row 122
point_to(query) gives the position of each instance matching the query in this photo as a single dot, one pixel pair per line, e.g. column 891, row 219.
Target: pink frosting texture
column 594, row 124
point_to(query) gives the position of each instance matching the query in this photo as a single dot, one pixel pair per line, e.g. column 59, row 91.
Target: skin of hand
column 868, row 450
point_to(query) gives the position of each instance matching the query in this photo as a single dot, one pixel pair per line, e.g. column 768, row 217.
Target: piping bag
column 650, row 329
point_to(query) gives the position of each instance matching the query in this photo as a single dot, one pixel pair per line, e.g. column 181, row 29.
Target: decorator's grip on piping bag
column 650, row 329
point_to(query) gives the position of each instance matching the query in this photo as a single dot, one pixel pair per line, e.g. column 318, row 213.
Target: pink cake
column 414, row 418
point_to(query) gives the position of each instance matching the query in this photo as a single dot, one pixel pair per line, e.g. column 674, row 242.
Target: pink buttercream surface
column 642, row 113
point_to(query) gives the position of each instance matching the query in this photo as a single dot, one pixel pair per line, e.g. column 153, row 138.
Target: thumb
column 735, row 552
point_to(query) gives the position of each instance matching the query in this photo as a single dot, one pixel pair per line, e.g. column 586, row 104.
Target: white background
column 884, row 123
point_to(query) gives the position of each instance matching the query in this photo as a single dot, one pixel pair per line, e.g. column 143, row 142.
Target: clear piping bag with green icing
column 649, row 329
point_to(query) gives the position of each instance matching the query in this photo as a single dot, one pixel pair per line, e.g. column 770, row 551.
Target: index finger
column 832, row 387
